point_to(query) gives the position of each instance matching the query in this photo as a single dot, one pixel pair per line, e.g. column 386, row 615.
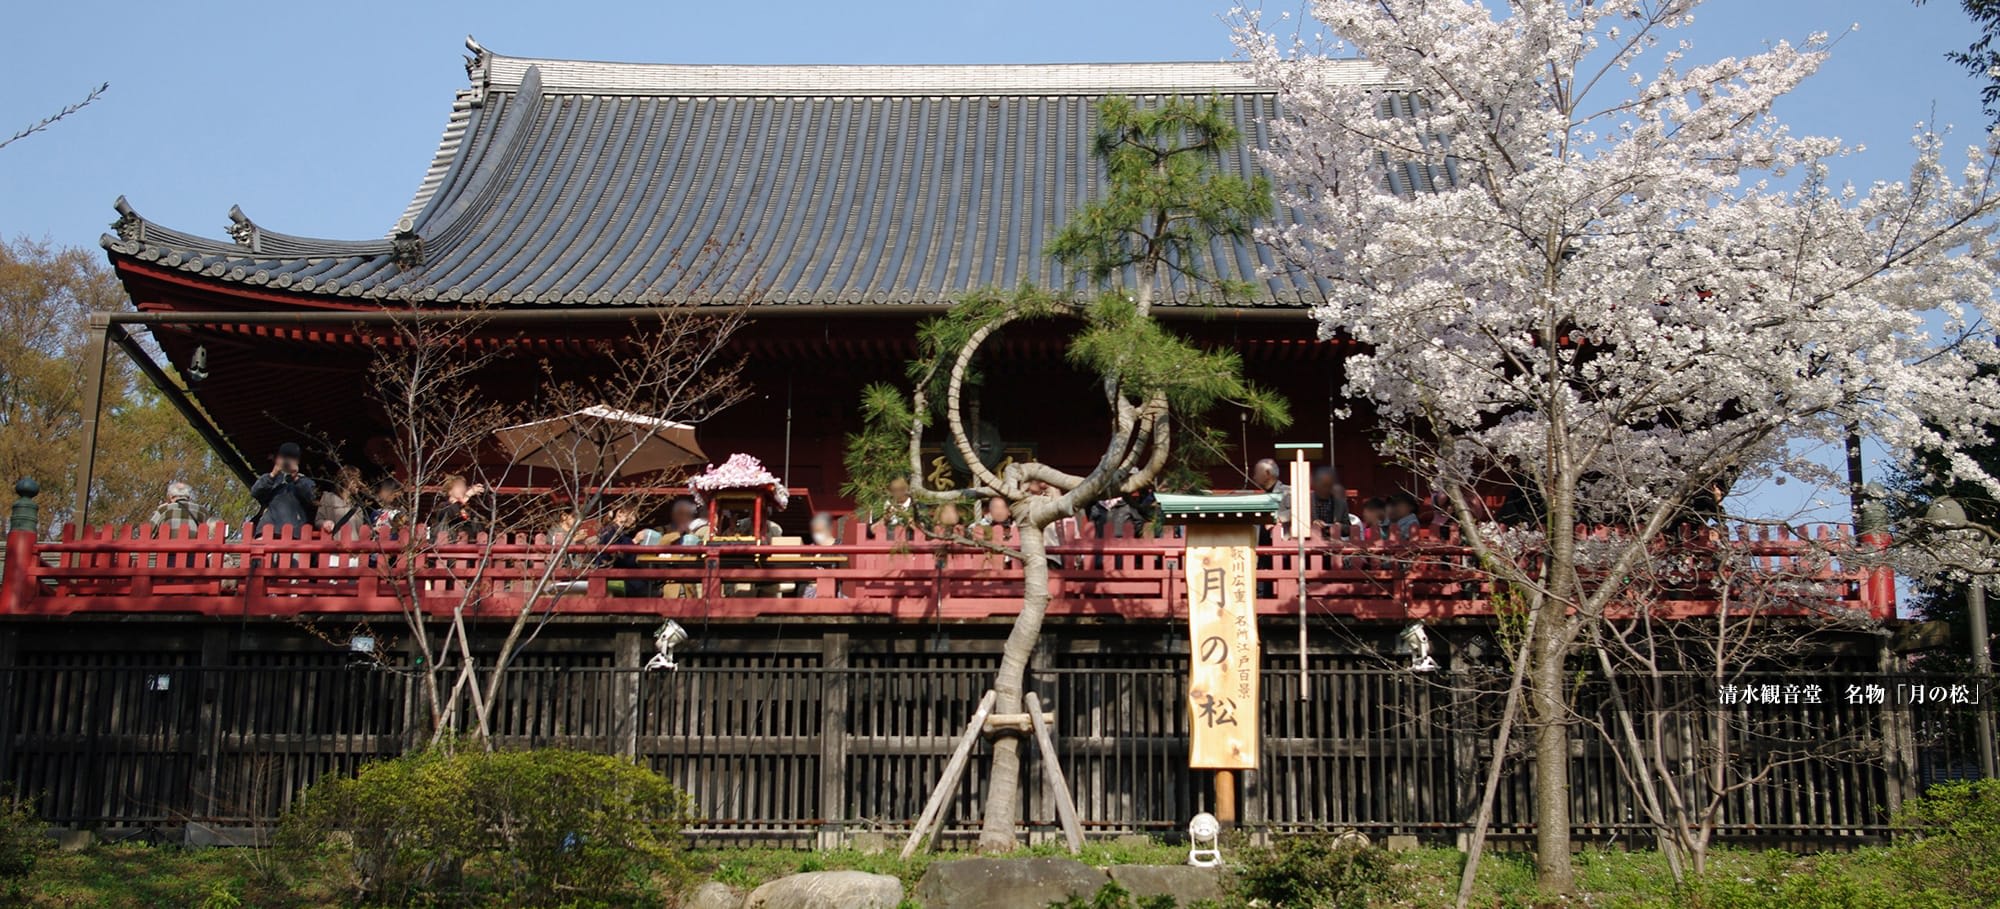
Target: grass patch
column 142, row 877
column 746, row 868
column 145, row 877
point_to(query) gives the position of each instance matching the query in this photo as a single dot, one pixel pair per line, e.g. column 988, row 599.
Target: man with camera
column 284, row 498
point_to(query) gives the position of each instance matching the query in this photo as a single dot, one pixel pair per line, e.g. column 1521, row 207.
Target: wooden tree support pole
column 1225, row 797
column 1052, row 769
column 954, row 769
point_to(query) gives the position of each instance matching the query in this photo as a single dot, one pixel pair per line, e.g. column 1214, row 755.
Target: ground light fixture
column 1203, row 850
column 1416, row 644
column 669, row 636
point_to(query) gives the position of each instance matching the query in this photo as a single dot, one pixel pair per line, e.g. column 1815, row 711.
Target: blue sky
column 320, row 118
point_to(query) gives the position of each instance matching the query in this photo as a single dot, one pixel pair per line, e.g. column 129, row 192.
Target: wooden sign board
column 1223, row 683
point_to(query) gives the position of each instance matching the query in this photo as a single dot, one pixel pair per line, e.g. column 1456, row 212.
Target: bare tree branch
column 51, row 119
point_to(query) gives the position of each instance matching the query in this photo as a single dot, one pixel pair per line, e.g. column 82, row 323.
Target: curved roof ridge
column 442, row 162
column 589, row 77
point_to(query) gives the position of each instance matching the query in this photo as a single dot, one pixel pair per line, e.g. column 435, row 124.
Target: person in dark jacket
column 284, row 498
column 618, row 532
column 460, row 517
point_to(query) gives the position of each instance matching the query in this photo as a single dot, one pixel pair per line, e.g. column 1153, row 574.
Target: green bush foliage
column 1319, row 872
column 447, row 826
column 23, row 836
column 567, row 823
column 1955, row 844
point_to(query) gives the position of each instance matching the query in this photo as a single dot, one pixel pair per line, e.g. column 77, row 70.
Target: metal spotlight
column 1416, row 643
column 669, row 636
column 1203, row 831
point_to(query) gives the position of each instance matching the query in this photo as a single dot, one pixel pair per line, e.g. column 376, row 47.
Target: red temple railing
column 205, row 571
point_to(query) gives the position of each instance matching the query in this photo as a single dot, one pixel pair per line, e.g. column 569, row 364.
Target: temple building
column 154, row 679
column 842, row 204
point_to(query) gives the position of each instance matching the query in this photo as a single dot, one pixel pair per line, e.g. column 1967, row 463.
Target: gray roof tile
column 580, row 183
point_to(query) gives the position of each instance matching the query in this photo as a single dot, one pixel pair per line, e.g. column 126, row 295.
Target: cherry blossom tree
column 1591, row 269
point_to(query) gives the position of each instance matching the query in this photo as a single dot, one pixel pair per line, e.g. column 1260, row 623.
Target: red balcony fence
column 212, row 571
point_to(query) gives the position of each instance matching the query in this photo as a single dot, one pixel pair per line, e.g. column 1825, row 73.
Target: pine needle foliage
column 1166, row 201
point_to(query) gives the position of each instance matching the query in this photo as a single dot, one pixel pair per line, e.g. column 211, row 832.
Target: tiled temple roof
column 579, row 183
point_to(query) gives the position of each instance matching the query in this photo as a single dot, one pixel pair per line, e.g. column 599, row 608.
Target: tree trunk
column 1550, row 715
column 1548, row 708
column 1003, row 779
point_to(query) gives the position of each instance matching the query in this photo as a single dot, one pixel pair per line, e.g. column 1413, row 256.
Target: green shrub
column 527, row 827
column 398, row 829
column 23, row 835
column 1831, row 881
column 1319, row 871
column 1955, row 844
column 572, row 824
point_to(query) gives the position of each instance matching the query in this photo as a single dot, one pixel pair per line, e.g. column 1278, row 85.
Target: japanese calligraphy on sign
column 1222, row 627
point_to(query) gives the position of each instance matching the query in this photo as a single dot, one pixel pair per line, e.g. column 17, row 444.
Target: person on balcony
column 998, row 513
column 459, row 516
column 345, row 509
column 683, row 523
column 1266, row 476
column 824, row 530
column 1375, row 518
column 1125, row 516
column 285, row 499
column 899, row 511
column 824, row 533
column 567, row 531
column 1329, row 502
column 945, row 521
column 619, row 531
column 180, row 514
column 1403, row 520
column 389, row 516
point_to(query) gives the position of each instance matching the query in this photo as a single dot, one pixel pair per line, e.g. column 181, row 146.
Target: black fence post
column 834, row 698
column 10, row 694
column 205, row 764
column 625, row 688
column 1899, row 744
column 1462, row 726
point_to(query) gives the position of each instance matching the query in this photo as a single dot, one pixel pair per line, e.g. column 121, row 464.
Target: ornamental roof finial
column 244, row 231
column 475, row 63
column 129, row 227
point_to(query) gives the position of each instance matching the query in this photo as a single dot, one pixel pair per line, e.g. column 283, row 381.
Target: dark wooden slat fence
column 806, row 748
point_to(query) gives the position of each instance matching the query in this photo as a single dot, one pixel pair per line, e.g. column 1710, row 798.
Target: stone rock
column 1184, row 883
column 1133, row 841
column 74, row 840
column 1007, row 883
column 714, row 895
column 868, row 843
column 1401, row 842
column 828, row 890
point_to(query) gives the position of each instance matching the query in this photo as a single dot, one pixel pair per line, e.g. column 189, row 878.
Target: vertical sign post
column 1299, row 511
column 1224, row 693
